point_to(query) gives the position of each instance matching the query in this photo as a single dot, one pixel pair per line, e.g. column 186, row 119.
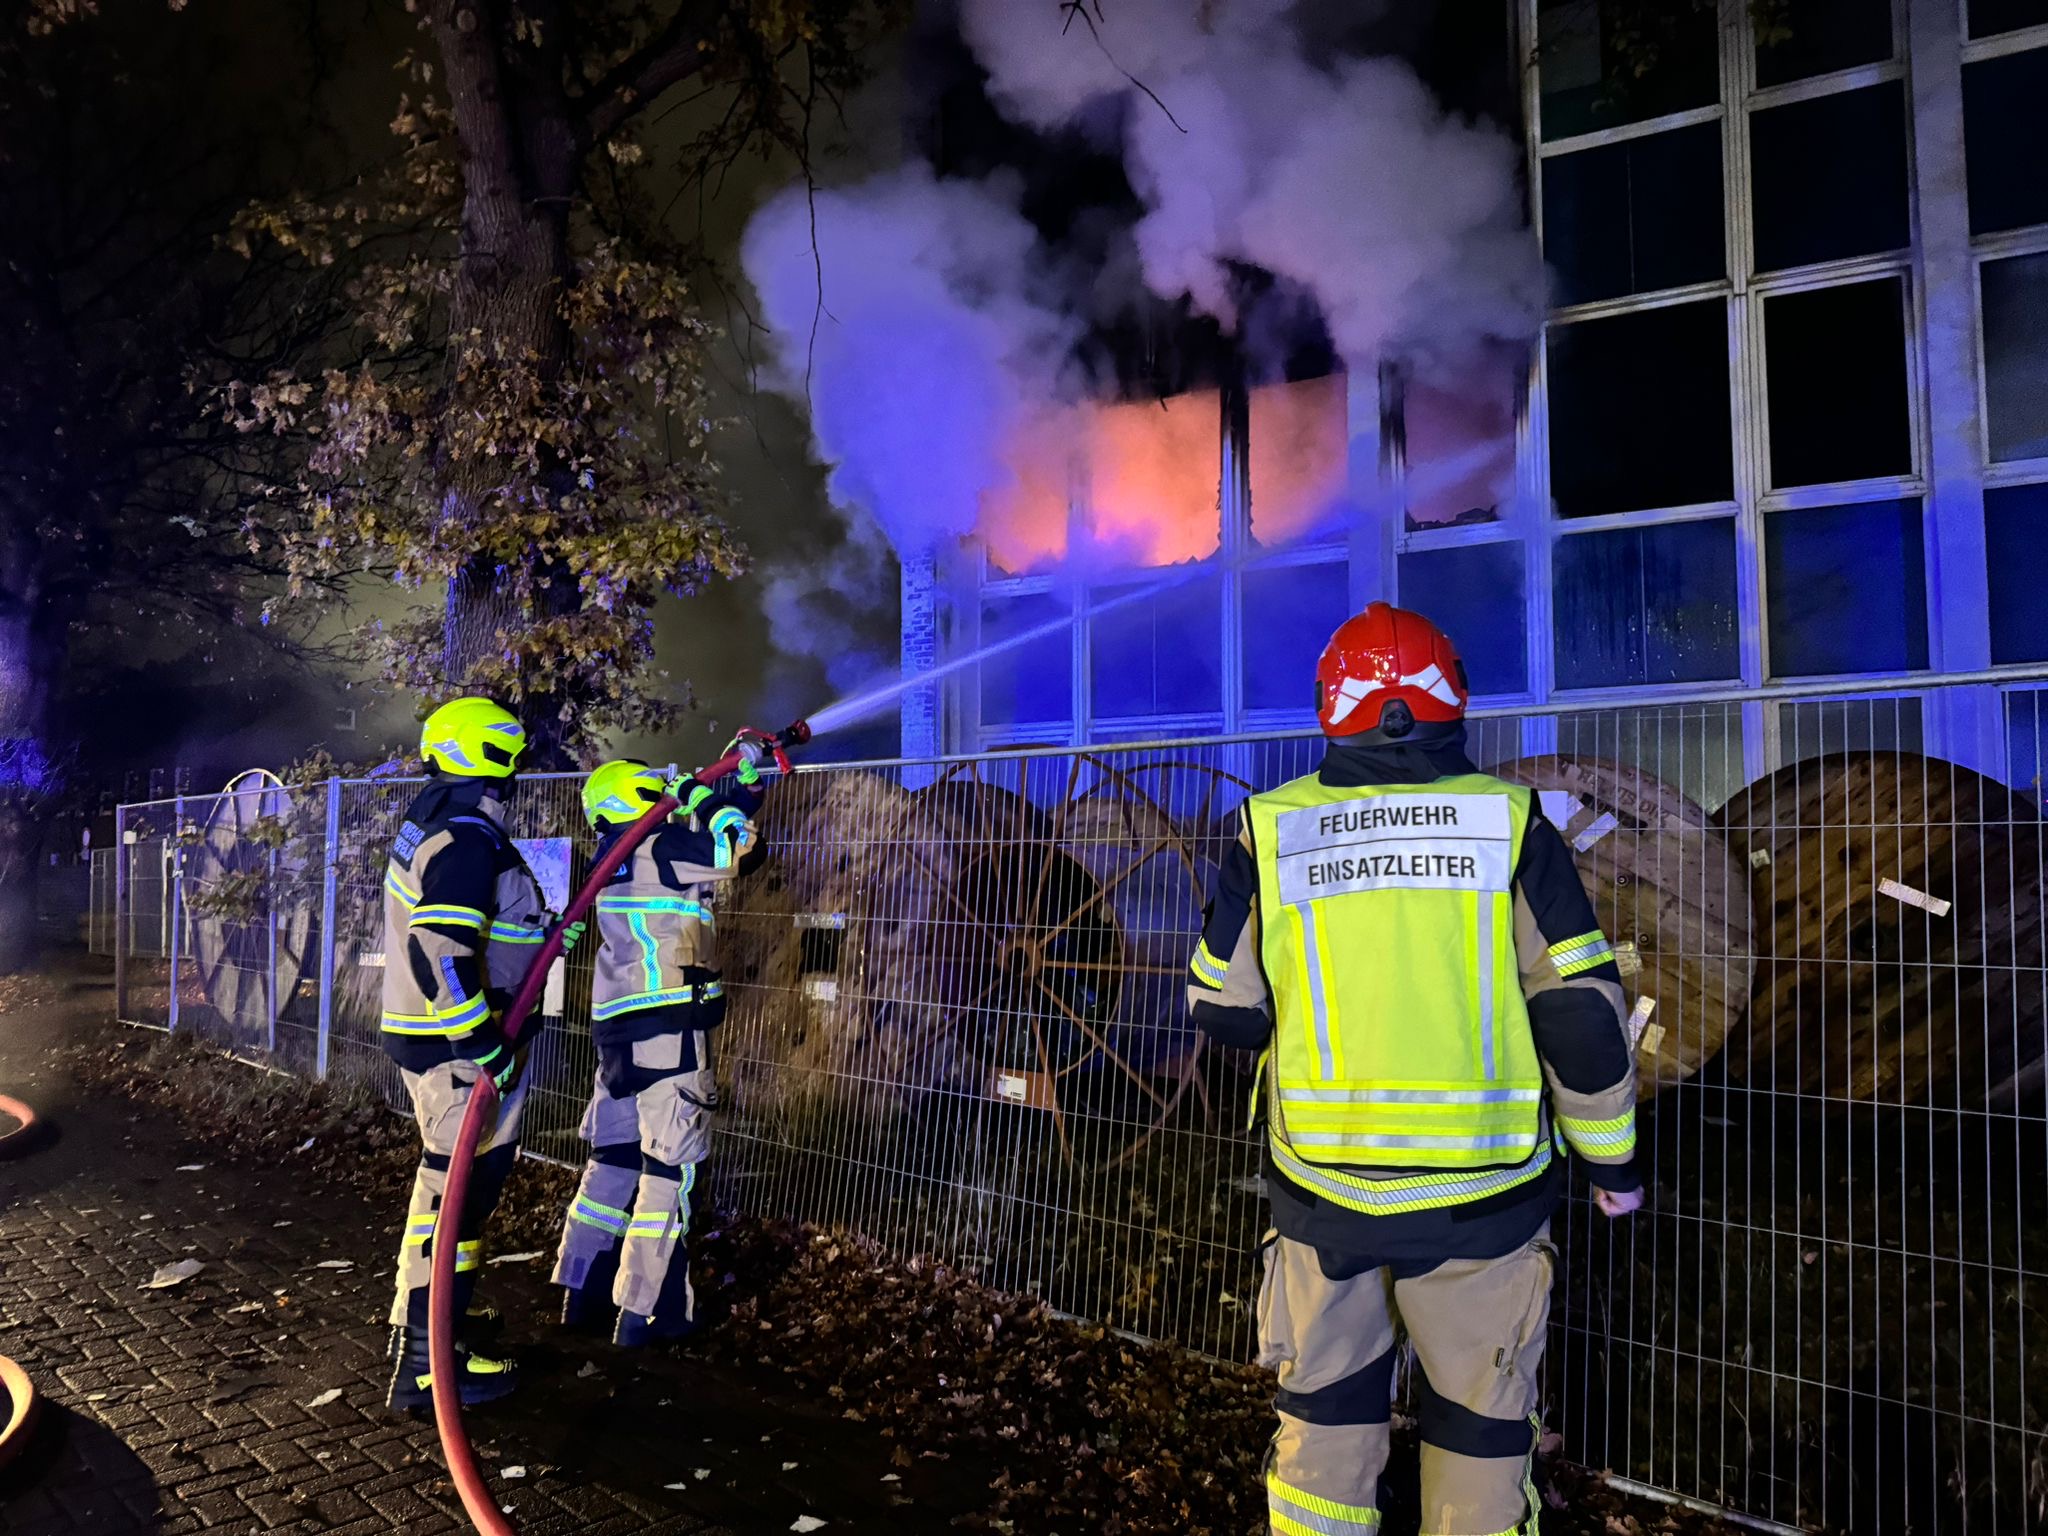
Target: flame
column 1154, row 478
column 1024, row 521
column 1300, row 458
column 1143, row 479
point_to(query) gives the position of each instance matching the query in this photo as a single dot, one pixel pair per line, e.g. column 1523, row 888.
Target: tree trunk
column 522, row 151
column 30, row 650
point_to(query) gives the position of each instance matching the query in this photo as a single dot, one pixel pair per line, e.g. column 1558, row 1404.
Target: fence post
column 330, row 872
column 270, row 956
column 122, row 919
column 175, row 886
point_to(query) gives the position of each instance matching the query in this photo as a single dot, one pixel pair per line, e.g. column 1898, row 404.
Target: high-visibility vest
column 1401, row 1040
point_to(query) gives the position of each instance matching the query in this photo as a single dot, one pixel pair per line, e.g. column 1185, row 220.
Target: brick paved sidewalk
column 191, row 1408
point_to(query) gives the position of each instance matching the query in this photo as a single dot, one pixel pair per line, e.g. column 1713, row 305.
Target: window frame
column 2029, row 240
column 1745, row 292
column 1925, row 38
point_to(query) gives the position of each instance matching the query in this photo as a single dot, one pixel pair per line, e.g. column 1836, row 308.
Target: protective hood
column 1428, row 753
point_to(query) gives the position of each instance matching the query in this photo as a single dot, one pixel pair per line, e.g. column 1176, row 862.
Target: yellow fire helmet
column 473, row 739
column 619, row 793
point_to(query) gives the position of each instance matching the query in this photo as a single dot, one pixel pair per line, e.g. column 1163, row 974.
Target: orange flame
column 1138, row 484
column 1300, row 453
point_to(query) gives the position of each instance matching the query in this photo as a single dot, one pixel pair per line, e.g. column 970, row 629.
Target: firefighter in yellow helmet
column 656, row 996
column 1407, row 942
column 463, row 917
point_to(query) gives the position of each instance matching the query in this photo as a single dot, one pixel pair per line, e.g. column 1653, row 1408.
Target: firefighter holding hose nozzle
column 1407, row 941
column 624, row 1260
column 463, row 916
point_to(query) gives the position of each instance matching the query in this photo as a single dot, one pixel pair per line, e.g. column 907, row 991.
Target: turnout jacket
column 657, row 965
column 463, row 916
column 1371, row 1175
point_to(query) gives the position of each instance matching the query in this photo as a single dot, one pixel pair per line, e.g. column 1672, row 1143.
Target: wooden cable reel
column 969, row 939
column 1077, row 926
column 1669, row 894
column 1143, row 833
column 1901, row 901
column 250, row 938
column 834, row 952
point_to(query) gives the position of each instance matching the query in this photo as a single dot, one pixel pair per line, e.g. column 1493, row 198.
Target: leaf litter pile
column 1090, row 1430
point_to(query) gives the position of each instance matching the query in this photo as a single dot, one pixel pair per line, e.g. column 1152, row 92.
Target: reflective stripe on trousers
column 1477, row 1328
column 639, row 1206
column 439, row 1098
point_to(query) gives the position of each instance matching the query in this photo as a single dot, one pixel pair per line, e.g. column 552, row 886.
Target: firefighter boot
column 675, row 1309
column 484, row 1379
column 588, row 1308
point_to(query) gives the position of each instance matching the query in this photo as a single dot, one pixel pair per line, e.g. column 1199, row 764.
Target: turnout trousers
column 1477, row 1330
column 633, row 1204
column 440, row 1097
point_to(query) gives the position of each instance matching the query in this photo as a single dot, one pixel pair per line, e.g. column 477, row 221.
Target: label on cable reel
column 1912, row 898
column 1638, row 1022
column 1605, row 823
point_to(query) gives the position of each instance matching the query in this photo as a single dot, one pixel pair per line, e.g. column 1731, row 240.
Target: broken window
column 1639, row 411
column 2016, row 356
column 1290, row 612
column 1458, row 436
column 1024, row 520
column 1300, row 447
column 2016, row 543
column 1602, row 63
column 1847, row 589
column 1634, row 217
column 1473, row 593
column 1032, row 680
column 2005, row 123
column 1158, row 652
column 1636, row 606
column 1829, row 177
column 1154, row 471
column 1798, row 39
column 1836, row 365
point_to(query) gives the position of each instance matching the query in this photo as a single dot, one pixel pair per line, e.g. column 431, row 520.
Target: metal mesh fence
column 99, row 923
column 957, row 1026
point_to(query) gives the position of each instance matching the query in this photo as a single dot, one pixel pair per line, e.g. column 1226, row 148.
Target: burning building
column 1777, row 417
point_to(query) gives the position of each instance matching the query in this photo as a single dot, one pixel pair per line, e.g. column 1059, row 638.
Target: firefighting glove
column 689, row 794
column 497, row 1057
column 750, row 754
column 571, row 932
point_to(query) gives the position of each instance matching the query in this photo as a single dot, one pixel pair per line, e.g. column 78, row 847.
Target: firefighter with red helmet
column 1406, row 942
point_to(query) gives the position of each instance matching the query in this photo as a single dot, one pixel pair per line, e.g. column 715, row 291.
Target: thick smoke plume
column 1344, row 176
column 931, row 332
column 916, row 319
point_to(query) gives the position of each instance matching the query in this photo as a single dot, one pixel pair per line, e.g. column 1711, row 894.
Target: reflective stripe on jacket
column 1401, row 1039
column 463, row 916
column 656, row 924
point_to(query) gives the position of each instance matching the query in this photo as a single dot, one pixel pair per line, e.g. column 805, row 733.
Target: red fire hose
column 18, row 1399
column 23, row 1135
column 463, row 1470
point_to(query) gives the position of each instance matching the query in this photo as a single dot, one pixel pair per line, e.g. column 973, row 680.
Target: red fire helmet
column 1383, row 655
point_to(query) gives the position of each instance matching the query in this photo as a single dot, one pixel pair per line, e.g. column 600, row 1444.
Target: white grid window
column 1778, row 323
column 2005, row 103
